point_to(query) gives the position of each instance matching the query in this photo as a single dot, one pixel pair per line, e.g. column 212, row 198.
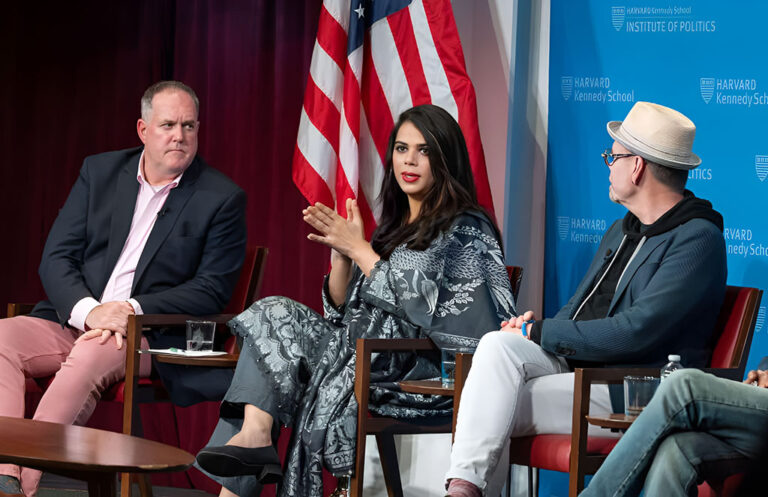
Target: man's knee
column 498, row 344
column 686, row 382
column 11, row 330
column 12, row 339
column 90, row 358
column 670, row 452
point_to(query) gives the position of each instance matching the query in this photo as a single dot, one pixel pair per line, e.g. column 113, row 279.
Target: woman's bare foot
column 251, row 439
column 256, row 430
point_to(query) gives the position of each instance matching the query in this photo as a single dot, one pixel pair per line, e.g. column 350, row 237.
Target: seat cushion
column 553, row 452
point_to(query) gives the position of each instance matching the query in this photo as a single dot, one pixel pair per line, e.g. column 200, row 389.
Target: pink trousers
column 32, row 348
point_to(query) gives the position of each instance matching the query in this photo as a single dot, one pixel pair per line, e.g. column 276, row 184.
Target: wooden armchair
column 134, row 390
column 580, row 455
column 384, row 428
column 245, row 292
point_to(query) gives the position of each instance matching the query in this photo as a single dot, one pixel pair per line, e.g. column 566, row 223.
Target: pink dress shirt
column 149, row 203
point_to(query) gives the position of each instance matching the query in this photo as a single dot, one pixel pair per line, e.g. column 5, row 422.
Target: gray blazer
column 666, row 303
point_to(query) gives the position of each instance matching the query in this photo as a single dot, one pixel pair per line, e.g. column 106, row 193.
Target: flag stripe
column 322, row 113
column 437, row 81
column 309, row 183
column 339, row 11
column 350, row 125
column 327, row 75
column 400, row 53
column 443, row 28
column 375, row 104
column 316, row 150
column 371, row 168
column 389, row 69
column 332, row 37
column 405, row 41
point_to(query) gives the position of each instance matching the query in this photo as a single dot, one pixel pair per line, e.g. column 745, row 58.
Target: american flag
column 372, row 60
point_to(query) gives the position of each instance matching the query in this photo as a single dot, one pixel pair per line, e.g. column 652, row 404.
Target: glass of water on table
column 200, row 335
column 448, row 364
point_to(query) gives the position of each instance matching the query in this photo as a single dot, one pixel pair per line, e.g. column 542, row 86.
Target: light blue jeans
column 696, row 426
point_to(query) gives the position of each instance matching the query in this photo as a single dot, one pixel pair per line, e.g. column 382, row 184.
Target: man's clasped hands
column 107, row 319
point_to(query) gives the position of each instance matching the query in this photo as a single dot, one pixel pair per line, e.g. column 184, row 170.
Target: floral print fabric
column 453, row 292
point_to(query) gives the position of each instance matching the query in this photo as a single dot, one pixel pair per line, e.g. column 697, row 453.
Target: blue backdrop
column 701, row 58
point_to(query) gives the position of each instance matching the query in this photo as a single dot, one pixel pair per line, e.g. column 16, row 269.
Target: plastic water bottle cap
column 673, row 358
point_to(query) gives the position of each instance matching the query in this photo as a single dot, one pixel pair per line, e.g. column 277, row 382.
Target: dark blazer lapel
column 598, row 264
column 172, row 208
column 120, row 225
column 645, row 251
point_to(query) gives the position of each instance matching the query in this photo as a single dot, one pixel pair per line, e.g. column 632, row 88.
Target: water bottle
column 672, row 365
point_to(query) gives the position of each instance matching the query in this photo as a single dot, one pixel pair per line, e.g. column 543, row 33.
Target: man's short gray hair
column 161, row 86
column 673, row 178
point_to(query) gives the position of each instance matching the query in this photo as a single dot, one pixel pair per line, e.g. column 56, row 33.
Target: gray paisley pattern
column 454, row 291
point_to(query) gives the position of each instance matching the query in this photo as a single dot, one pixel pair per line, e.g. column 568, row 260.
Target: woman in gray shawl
column 434, row 268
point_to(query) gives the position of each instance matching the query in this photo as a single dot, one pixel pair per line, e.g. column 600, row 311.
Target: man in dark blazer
column 654, row 288
column 145, row 230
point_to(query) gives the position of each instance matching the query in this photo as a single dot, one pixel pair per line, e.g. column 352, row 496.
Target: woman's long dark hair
column 452, row 192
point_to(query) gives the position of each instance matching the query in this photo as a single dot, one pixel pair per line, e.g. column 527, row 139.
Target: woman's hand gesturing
column 347, row 236
column 344, row 235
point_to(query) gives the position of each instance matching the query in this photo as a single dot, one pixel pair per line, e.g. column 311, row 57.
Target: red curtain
column 73, row 74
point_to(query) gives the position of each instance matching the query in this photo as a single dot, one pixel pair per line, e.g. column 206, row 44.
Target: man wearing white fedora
column 654, row 287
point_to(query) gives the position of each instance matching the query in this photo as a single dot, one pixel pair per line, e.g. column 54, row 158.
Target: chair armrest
column 149, row 320
column 370, row 345
column 136, row 325
column 582, row 382
column 367, row 346
column 611, row 375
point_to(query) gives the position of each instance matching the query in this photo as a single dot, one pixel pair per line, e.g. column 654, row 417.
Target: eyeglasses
column 609, row 157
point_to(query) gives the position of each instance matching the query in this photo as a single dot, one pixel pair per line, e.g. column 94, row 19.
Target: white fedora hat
column 657, row 133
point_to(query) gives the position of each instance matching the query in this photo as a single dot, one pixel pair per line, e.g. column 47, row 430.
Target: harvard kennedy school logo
column 566, row 86
column 563, row 223
column 617, row 17
column 761, row 166
column 760, row 318
column 707, row 88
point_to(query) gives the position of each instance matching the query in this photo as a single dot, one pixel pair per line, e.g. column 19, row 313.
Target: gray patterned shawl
column 453, row 292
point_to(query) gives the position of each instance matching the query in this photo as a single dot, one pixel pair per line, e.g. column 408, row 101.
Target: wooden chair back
column 250, row 280
column 385, row 427
column 245, row 292
column 515, row 274
column 736, row 323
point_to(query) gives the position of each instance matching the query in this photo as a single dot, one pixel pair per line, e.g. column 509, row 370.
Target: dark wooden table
column 85, row 453
column 614, row 421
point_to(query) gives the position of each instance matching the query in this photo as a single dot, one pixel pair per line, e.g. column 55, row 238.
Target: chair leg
column 125, row 485
column 530, row 481
column 145, row 484
column 506, row 490
column 356, row 481
column 128, row 479
column 389, row 465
